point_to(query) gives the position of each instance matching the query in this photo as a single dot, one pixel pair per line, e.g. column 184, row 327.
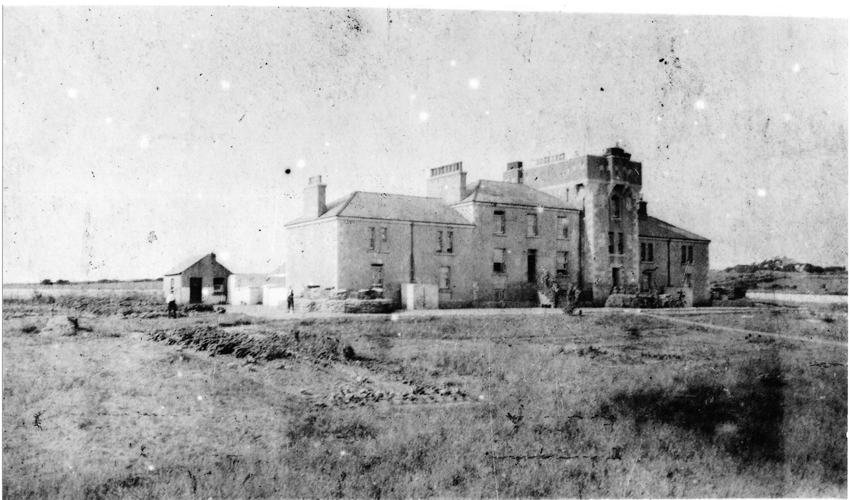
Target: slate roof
column 186, row 264
column 512, row 194
column 657, row 228
column 361, row 204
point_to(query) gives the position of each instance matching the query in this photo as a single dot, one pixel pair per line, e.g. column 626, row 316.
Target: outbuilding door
column 194, row 290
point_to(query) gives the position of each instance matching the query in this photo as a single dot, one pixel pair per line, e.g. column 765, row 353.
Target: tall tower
column 606, row 189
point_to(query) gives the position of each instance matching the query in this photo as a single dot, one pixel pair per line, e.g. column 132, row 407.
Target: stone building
column 490, row 243
column 196, row 280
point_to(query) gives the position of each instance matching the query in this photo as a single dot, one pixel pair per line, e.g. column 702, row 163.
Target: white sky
column 133, row 138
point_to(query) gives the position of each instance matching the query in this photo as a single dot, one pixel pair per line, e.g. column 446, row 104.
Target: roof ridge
column 345, row 205
column 397, row 194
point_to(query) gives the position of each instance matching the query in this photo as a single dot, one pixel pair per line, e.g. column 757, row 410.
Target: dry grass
column 616, row 406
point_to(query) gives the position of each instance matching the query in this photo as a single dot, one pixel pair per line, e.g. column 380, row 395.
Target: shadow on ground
column 743, row 415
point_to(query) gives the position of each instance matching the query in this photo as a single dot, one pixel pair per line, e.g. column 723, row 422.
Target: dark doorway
column 532, row 266
column 615, row 277
column 195, row 290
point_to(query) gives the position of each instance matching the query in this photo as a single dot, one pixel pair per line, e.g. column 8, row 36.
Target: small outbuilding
column 197, row 280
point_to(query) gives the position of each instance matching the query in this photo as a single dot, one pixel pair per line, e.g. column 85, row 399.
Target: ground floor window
column 445, row 278
column 646, row 281
column 378, row 275
column 499, row 261
column 500, row 294
column 562, row 264
column 218, row 286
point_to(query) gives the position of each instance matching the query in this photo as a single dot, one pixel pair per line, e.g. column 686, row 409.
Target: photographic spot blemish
column 288, row 170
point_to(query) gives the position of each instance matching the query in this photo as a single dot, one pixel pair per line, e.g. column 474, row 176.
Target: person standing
column 290, row 302
column 172, row 305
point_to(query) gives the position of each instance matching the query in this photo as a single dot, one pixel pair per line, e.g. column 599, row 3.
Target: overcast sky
column 133, row 138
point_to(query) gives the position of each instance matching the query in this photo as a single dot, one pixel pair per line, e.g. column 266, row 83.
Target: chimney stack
column 513, row 173
column 447, row 182
column 314, row 197
column 642, row 210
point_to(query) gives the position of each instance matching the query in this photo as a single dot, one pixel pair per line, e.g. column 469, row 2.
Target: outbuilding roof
column 657, row 228
column 511, row 193
column 365, row 205
column 186, row 264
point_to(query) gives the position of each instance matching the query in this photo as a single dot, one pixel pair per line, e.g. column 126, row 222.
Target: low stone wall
column 352, row 306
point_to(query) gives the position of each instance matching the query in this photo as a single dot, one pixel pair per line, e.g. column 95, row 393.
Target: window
column 687, row 280
column 567, row 194
column 500, row 294
column 439, row 242
column 610, row 242
column 499, row 261
column 218, row 286
column 172, row 284
column 621, row 240
column 377, row 275
column 449, row 241
column 445, row 278
column 615, row 206
column 562, row 264
column 687, row 254
column 499, row 221
column 531, row 224
column 384, row 243
column 646, row 252
column 371, row 238
column 563, row 228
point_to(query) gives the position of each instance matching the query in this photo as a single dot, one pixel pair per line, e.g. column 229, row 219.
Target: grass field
column 546, row 406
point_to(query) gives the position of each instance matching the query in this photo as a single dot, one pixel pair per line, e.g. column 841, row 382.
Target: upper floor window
column 615, row 207
column 687, row 254
column 621, row 243
column 378, row 239
column 611, row 242
column 563, row 228
column 499, row 222
column 647, row 252
column 531, row 225
column 445, row 242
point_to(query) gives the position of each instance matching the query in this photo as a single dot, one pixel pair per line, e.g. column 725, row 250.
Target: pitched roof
column 187, row 263
column 387, row 206
column 657, row 228
column 512, row 194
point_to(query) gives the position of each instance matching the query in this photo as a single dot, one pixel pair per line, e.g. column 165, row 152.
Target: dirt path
column 748, row 332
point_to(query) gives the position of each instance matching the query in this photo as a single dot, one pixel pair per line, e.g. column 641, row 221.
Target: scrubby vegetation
column 537, row 406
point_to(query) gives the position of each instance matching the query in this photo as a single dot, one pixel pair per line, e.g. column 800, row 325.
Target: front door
column 532, row 266
column 195, row 290
column 615, row 277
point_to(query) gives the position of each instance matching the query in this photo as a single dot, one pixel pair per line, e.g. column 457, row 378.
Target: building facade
column 579, row 222
column 197, row 280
